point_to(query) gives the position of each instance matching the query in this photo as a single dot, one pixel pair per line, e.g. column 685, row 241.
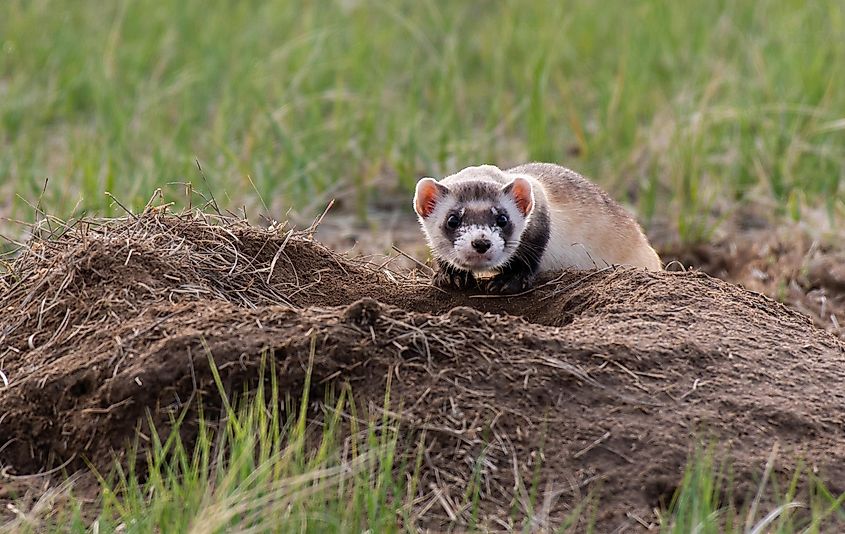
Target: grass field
column 686, row 110
column 681, row 108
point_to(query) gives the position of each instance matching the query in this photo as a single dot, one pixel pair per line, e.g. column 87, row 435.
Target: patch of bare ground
column 787, row 264
column 605, row 377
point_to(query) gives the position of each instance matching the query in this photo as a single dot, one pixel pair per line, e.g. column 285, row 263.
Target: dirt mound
column 605, row 376
column 783, row 263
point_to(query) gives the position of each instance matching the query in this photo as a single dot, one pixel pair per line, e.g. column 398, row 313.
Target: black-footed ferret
column 516, row 223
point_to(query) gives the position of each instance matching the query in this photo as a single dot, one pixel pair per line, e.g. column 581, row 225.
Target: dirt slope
column 608, row 376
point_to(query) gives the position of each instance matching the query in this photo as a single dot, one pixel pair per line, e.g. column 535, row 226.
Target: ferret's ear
column 427, row 194
column 522, row 193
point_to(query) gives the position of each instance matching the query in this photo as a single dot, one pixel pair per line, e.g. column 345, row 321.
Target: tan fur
column 588, row 229
column 589, row 217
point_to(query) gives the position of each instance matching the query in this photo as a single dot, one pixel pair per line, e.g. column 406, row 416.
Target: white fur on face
column 440, row 245
column 469, row 258
column 460, row 253
column 518, row 220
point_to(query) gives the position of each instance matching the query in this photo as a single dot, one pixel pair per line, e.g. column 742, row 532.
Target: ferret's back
column 564, row 186
column 584, row 213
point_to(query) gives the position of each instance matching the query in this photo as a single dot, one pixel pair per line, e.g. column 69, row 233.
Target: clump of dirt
column 605, row 377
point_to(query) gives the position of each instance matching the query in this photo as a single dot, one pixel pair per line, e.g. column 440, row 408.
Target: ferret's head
column 474, row 224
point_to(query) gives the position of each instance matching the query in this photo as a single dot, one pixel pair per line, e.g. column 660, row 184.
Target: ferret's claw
column 509, row 283
column 454, row 279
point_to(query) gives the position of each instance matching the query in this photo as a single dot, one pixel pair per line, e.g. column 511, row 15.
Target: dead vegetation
column 604, row 378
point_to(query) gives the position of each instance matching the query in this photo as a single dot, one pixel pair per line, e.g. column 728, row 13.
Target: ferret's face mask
column 474, row 225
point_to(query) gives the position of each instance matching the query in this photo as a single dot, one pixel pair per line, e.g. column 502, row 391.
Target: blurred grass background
column 685, row 110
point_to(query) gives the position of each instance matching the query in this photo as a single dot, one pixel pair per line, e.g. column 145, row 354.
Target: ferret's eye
column 502, row 220
column 453, row 222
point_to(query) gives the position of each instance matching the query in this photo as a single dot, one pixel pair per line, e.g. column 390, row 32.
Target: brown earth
column 791, row 263
column 606, row 377
column 785, row 263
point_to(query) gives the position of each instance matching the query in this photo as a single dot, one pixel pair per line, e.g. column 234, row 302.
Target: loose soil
column 785, row 264
column 604, row 377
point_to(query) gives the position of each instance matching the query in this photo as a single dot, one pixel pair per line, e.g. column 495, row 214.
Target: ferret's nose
column 481, row 245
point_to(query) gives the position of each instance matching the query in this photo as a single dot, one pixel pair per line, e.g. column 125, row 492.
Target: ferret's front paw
column 509, row 283
column 454, row 279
